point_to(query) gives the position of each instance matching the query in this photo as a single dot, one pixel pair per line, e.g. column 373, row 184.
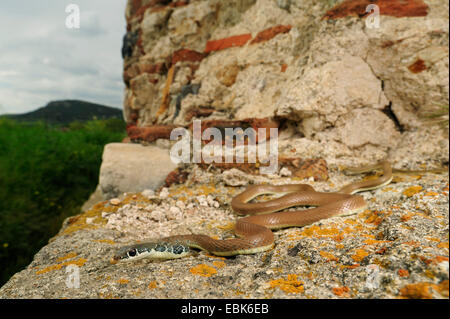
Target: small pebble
column 164, row 193
column 148, row 193
column 114, row 201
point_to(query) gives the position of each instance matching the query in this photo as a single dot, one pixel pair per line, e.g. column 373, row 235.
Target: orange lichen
column 79, row 262
column 360, row 254
column 318, row 231
column 219, row 264
column 152, row 285
column 407, row 216
column 375, row 217
column 328, row 256
column 412, row 243
column 341, row 291
column 349, row 266
column 68, row 256
column 431, row 193
column 443, row 245
column 122, row 281
column 375, row 242
column 166, row 91
column 403, row 273
column 289, row 285
column 203, row 270
column 106, row 241
column 413, row 190
column 439, row 259
column 424, row 290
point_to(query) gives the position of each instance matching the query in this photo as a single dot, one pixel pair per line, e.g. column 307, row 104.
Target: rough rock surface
column 317, row 65
column 397, row 248
column 130, row 167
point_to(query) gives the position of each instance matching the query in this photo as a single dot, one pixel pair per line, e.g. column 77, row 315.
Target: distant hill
column 67, row 111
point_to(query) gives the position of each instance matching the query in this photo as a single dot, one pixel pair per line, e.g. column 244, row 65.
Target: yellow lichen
column 122, row 281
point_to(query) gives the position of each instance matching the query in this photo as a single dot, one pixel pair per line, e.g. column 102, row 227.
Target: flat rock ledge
column 397, row 248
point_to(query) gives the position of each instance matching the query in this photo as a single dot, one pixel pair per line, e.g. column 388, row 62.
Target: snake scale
column 254, row 232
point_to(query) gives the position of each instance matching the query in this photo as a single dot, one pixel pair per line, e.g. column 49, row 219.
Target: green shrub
column 46, row 174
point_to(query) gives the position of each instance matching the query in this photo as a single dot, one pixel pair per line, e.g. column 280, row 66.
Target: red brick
column 198, row 112
column 149, row 133
column 177, row 176
column 270, row 33
column 234, row 41
column 395, row 8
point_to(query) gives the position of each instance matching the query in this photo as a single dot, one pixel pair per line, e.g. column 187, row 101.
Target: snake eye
column 132, row 253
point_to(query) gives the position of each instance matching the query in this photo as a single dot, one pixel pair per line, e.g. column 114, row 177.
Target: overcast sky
column 42, row 60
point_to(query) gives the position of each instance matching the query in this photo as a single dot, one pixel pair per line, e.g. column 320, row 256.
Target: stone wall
column 335, row 87
column 340, row 93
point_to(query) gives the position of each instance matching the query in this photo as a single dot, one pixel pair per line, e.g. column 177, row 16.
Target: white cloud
column 42, row 60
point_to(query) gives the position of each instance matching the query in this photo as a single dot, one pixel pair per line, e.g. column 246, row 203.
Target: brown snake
column 255, row 231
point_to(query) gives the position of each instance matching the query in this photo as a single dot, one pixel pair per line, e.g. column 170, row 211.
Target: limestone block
column 133, row 168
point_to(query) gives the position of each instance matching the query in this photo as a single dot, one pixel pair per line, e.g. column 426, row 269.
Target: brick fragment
column 187, row 55
column 149, row 133
column 417, row 66
column 233, row 41
column 269, row 33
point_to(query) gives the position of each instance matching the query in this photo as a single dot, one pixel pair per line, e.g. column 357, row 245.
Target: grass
column 46, row 174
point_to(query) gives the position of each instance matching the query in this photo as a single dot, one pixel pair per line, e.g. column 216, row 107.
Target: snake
column 254, row 232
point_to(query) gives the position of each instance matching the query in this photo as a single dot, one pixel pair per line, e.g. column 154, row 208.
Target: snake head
column 153, row 250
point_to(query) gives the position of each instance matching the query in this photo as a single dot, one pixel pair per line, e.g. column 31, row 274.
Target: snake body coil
column 255, row 231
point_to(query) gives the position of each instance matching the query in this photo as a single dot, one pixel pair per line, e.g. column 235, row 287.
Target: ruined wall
column 335, row 87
